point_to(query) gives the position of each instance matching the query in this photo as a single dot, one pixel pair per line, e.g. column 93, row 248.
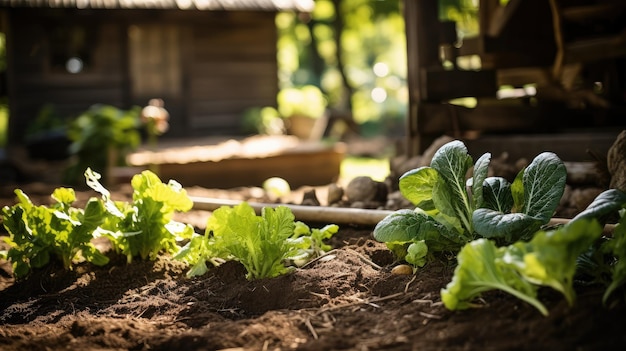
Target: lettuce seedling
column 549, row 259
column 38, row 233
column 315, row 239
column 263, row 244
column 481, row 268
column 198, row 251
column 610, row 256
column 145, row 227
column 452, row 209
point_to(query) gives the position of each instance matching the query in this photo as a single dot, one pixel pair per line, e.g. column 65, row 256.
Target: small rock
column 402, row 269
column 335, row 194
column 396, row 201
column 310, row 198
column 366, row 189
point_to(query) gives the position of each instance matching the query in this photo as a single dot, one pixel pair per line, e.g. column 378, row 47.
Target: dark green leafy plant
column 452, row 209
column 550, row 258
column 145, row 227
column 101, row 138
column 40, row 233
column 609, row 257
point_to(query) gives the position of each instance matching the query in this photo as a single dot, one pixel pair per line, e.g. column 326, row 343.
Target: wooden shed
column 209, row 60
column 563, row 63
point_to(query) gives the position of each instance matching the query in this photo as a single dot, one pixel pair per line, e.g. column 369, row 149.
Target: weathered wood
column 570, row 147
column 247, row 163
column 320, row 214
column 586, row 13
column 335, row 215
column 422, row 51
column 586, row 50
column 439, row 84
column 446, row 118
column 207, row 66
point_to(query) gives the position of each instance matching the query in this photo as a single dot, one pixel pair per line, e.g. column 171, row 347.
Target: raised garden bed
column 248, row 162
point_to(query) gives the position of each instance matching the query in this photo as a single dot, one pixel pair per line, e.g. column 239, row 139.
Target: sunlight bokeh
column 352, row 167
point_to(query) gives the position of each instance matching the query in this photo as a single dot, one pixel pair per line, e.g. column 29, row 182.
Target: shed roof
column 228, row 5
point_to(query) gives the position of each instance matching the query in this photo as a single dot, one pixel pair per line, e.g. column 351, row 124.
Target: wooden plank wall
column 233, row 68
column 228, row 64
column 34, row 83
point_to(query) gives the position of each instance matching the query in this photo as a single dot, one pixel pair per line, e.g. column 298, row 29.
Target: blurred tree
column 337, row 47
column 355, row 52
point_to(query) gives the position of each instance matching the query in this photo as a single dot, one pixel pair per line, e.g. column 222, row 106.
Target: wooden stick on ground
column 335, row 215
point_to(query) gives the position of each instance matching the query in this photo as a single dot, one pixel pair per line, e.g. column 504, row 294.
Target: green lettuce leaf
column 497, row 194
column 39, row 233
column 480, row 269
column 604, row 205
column 544, row 184
column 417, row 186
column 416, row 253
column 145, row 227
column 260, row 243
column 412, row 226
column 481, row 170
column 549, row 259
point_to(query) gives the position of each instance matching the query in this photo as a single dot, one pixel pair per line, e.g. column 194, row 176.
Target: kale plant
column 453, row 209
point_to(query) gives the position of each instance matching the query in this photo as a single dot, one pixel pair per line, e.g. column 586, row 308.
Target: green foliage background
column 373, row 31
column 346, row 38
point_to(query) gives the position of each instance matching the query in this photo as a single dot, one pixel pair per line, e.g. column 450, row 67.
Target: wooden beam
column 595, row 49
column 421, row 19
column 502, row 117
column 438, row 84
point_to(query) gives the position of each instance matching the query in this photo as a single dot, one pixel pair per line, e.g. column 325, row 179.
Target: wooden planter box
column 246, row 163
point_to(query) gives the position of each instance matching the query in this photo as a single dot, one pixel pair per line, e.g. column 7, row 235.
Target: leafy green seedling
column 480, row 269
column 145, row 227
column 263, row 244
column 549, row 259
column 39, row 233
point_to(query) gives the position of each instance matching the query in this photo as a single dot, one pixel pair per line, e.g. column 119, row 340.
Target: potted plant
column 304, row 109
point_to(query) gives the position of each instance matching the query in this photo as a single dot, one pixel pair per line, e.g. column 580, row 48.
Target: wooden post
column 422, row 25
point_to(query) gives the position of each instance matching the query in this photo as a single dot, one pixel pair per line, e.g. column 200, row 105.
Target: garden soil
column 346, row 300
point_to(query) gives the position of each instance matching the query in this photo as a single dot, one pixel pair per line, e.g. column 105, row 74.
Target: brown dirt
column 347, row 301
